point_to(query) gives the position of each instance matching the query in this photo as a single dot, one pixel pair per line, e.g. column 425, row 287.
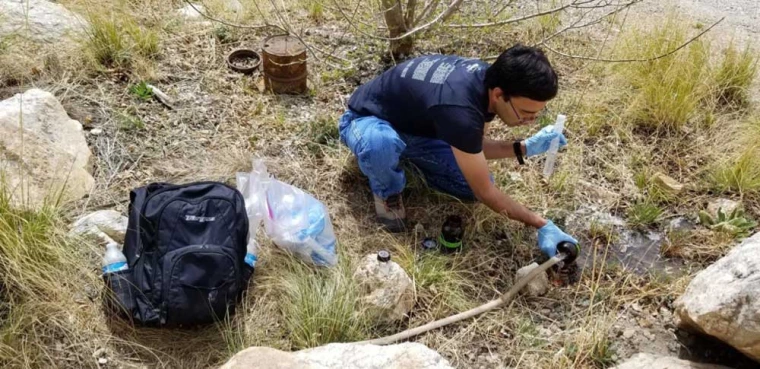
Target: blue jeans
column 379, row 149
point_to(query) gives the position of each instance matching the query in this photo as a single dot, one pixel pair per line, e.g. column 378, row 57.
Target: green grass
column 735, row 75
column 644, row 214
column 141, row 91
column 321, row 305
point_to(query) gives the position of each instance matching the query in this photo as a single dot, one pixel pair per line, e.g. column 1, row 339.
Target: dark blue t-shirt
column 435, row 96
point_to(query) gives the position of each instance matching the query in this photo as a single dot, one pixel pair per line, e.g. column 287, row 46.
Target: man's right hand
column 549, row 236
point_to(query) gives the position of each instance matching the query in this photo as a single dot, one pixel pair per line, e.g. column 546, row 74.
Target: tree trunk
column 394, row 19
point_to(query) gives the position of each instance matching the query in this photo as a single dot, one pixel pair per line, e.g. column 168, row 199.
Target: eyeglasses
column 521, row 119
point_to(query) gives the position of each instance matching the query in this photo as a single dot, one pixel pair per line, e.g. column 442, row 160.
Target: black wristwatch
column 517, row 146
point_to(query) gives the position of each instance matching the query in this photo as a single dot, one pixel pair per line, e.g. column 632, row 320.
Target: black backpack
column 185, row 246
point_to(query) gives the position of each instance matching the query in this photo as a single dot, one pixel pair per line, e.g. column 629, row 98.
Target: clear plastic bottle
column 114, row 260
column 551, row 155
column 251, row 252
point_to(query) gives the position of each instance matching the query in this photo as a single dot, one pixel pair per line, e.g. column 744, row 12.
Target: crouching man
column 433, row 111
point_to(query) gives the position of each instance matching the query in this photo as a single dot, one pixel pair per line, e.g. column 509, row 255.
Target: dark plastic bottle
column 570, row 249
column 451, row 235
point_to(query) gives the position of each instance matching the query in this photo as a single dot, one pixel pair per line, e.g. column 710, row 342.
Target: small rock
column 645, row 323
column 649, row 361
column 725, row 205
column 648, row 335
column 387, row 288
column 419, row 230
column 102, row 361
column 99, row 353
column 667, row 183
column 538, row 286
column 104, row 225
column 681, row 224
column 515, row 177
column 629, row 333
column 96, row 131
column 190, row 13
column 341, row 356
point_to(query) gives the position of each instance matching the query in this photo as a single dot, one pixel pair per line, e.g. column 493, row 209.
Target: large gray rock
column 649, row 361
column 43, row 152
column 341, row 356
column 723, row 300
column 44, row 116
column 39, row 20
column 105, row 226
column 388, row 292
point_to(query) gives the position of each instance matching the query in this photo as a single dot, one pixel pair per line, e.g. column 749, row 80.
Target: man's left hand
column 540, row 142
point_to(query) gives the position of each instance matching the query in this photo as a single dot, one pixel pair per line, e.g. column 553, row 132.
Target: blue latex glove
column 539, row 143
column 549, row 236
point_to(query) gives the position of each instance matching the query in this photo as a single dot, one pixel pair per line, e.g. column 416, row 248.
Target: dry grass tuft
column 117, row 41
column 735, row 75
column 669, row 91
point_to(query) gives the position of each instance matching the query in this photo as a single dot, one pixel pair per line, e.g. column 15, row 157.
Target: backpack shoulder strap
column 132, row 242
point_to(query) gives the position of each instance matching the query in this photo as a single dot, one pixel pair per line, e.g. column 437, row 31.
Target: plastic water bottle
column 551, row 155
column 114, row 260
column 250, row 253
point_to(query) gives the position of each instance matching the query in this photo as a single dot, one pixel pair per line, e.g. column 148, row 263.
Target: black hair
column 523, row 71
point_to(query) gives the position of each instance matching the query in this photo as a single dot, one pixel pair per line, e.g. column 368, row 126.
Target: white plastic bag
column 293, row 219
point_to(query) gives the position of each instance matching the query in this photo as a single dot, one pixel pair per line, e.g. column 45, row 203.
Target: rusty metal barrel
column 284, row 62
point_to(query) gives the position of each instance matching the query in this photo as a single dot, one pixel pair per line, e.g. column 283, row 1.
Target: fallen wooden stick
column 503, row 299
column 161, row 96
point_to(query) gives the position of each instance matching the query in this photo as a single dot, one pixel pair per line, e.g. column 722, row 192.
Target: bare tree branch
column 506, row 5
column 671, row 52
column 426, row 11
column 454, row 3
column 451, row 10
column 575, row 25
column 411, row 6
column 574, row 4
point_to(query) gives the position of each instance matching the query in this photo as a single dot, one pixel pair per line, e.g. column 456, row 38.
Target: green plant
column 735, row 75
column 644, row 214
column 734, row 224
column 321, row 306
column 141, row 91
